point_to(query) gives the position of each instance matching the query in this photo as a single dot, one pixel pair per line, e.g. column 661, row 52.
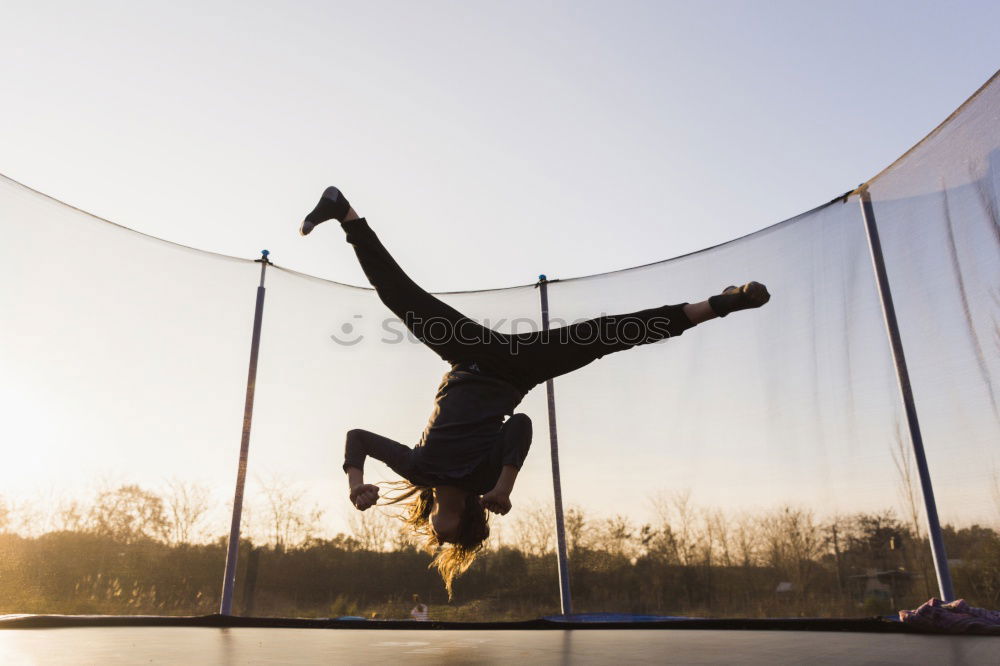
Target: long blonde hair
column 450, row 559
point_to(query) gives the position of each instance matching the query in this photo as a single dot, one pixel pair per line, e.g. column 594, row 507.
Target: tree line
column 132, row 550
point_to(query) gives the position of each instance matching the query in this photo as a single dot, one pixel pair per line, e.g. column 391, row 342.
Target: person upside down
column 468, row 457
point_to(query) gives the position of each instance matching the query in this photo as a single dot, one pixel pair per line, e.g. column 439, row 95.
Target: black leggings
column 523, row 359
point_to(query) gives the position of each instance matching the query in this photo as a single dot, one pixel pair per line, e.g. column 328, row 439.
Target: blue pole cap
column 542, row 277
column 264, row 253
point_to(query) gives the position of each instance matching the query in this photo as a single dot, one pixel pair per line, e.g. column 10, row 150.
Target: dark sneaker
column 332, row 206
column 750, row 295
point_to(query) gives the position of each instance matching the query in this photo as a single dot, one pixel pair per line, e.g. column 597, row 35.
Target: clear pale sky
column 488, row 143
column 493, row 141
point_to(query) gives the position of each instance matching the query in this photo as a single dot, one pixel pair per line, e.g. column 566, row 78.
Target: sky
column 486, row 142
column 490, row 142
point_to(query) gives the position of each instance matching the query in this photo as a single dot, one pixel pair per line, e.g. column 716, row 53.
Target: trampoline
column 220, row 640
column 847, row 480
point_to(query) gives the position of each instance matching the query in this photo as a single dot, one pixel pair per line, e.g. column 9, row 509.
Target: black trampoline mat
column 265, row 646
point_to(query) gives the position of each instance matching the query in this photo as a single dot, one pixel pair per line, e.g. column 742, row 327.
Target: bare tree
column 26, row 517
column 187, row 505
column 902, row 457
column 792, row 540
column 498, row 534
column 534, row 529
column 579, row 534
column 747, row 538
column 376, row 531
column 995, row 488
column 717, row 531
column 618, row 537
column 834, row 542
column 290, row 522
column 677, row 536
column 129, row 514
column 69, row 516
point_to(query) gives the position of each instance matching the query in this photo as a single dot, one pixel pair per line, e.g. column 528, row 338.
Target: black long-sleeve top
column 466, row 442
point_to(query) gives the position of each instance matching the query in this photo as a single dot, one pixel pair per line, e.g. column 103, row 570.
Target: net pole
column 906, row 393
column 232, row 553
column 565, row 598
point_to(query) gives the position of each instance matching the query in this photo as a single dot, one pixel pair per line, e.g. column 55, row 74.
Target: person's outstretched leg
column 450, row 334
column 542, row 355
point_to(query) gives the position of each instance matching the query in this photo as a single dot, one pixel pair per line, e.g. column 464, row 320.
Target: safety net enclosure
column 757, row 466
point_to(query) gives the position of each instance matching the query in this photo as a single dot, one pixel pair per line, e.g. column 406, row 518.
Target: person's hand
column 364, row 495
column 496, row 501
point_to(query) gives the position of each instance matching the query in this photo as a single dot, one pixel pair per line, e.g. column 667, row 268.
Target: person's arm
column 498, row 499
column 363, row 495
column 516, row 442
column 360, row 445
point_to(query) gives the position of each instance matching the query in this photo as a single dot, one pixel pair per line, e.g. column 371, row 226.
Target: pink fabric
column 956, row 617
